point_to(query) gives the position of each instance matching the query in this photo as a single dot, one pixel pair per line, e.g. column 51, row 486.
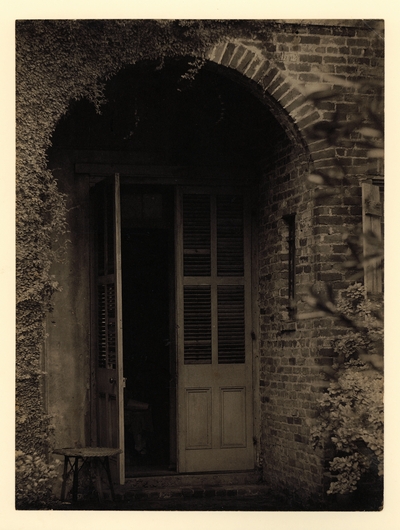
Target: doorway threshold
column 148, row 471
column 159, row 479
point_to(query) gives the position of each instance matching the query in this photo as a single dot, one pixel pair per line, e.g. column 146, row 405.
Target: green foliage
column 351, row 411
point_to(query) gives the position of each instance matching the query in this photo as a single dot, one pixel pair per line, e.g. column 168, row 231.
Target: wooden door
column 214, row 344
column 108, row 340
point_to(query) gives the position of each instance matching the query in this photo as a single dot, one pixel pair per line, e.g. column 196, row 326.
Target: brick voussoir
column 228, row 54
column 289, row 97
column 298, row 102
column 253, row 67
column 246, row 60
column 237, row 56
column 276, row 85
column 261, row 71
column 217, row 52
column 269, row 78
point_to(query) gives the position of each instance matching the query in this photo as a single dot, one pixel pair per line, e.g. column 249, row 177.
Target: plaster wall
column 68, row 326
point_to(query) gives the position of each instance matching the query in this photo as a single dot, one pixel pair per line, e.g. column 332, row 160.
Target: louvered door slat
column 197, row 324
column 231, row 324
column 101, row 327
column 230, row 250
column 196, row 235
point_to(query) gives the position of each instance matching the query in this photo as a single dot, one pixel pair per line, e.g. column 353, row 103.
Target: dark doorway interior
column 146, row 331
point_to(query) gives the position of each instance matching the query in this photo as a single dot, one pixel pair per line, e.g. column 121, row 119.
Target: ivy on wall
column 57, row 62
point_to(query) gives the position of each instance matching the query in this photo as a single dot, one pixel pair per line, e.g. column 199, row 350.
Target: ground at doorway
column 243, row 498
column 254, row 498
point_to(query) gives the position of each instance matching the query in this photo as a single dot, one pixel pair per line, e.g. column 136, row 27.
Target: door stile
column 213, row 283
column 255, row 331
column 119, row 330
column 179, row 323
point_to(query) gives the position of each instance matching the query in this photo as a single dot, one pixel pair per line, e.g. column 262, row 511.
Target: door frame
column 179, row 176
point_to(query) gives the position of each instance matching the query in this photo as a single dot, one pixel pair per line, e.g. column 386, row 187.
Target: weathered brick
column 310, row 78
column 310, row 58
column 310, row 39
column 358, row 42
column 297, row 67
column 336, row 59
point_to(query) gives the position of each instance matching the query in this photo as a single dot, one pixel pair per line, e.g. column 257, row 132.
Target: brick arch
column 287, row 102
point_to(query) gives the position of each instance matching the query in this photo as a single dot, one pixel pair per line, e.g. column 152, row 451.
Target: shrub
column 33, row 480
column 350, row 414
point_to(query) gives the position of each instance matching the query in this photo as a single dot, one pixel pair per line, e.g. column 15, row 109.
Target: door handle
column 112, row 380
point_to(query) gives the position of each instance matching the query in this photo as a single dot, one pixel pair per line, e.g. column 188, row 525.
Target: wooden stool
column 99, row 456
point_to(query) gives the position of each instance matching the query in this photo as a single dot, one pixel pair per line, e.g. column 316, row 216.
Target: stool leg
column 99, row 487
column 65, row 477
column 75, row 482
column 107, row 466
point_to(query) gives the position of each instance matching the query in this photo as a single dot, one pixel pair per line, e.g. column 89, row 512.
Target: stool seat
column 98, row 456
column 86, row 452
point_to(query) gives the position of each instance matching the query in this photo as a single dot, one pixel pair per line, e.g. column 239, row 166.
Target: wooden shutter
column 372, row 229
column 108, row 339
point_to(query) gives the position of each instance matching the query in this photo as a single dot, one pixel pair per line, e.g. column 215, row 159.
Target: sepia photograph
column 199, row 265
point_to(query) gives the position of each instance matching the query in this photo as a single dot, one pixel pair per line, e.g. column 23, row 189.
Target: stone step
column 200, row 492
column 175, row 480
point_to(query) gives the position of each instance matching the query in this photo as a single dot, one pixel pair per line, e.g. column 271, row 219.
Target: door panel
column 233, row 417
column 198, row 407
column 213, row 278
column 108, row 341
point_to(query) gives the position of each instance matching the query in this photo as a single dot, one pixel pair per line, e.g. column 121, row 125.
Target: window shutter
column 372, row 230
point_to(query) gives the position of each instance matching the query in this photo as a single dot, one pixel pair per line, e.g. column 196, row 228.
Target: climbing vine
column 57, row 62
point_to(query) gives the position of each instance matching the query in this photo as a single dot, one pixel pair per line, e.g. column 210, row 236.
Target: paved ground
column 185, row 504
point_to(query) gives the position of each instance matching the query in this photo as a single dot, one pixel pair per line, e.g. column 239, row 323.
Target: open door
column 108, row 339
column 214, row 341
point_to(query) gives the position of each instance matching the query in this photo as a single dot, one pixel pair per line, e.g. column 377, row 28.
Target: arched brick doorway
column 169, row 138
